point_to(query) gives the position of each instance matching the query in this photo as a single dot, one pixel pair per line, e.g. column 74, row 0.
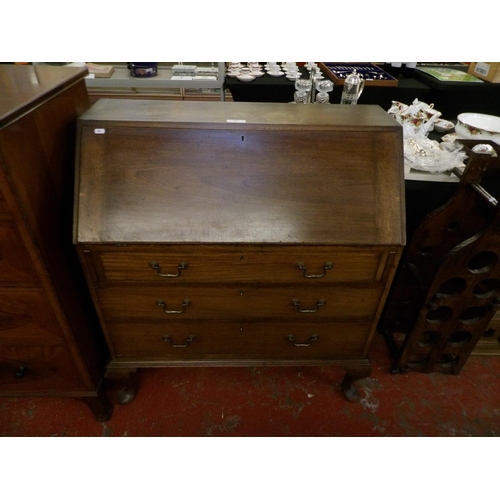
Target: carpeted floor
column 284, row 401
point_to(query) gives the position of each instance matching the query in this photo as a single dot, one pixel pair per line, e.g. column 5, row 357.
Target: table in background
column 280, row 89
column 453, row 98
column 263, row 89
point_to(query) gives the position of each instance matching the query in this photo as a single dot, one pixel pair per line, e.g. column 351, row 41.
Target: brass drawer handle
column 189, row 339
column 163, row 305
column 156, row 267
column 326, row 267
column 296, row 303
column 312, row 338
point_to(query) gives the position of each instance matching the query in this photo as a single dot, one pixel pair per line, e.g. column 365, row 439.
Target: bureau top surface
column 233, row 115
column 224, row 172
column 24, row 87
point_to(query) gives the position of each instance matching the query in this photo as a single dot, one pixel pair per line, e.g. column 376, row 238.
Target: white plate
column 246, row 78
column 443, row 125
column 279, row 73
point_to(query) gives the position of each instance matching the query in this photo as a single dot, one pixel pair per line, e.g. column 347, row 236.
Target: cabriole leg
column 349, row 390
column 130, row 380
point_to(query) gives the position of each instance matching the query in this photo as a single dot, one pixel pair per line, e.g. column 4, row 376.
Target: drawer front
column 36, row 367
column 229, row 302
column 25, row 317
column 273, row 264
column 4, row 209
column 215, row 340
column 15, row 265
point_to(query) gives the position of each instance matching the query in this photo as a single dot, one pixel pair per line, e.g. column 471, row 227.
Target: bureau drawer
column 186, row 302
column 15, row 265
column 4, row 208
column 25, row 317
column 36, row 367
column 219, row 263
column 184, row 341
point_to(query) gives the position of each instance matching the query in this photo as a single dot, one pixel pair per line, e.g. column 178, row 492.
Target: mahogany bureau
column 51, row 343
column 221, row 233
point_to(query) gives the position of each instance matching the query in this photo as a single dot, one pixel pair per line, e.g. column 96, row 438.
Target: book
column 100, row 71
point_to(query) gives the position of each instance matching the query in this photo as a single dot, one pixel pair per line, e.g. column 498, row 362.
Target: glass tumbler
column 303, row 85
column 323, row 87
column 300, row 96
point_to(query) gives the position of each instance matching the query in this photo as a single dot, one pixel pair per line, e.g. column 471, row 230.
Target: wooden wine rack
column 447, row 288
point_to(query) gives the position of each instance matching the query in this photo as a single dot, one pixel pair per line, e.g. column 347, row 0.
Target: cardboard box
column 487, row 71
